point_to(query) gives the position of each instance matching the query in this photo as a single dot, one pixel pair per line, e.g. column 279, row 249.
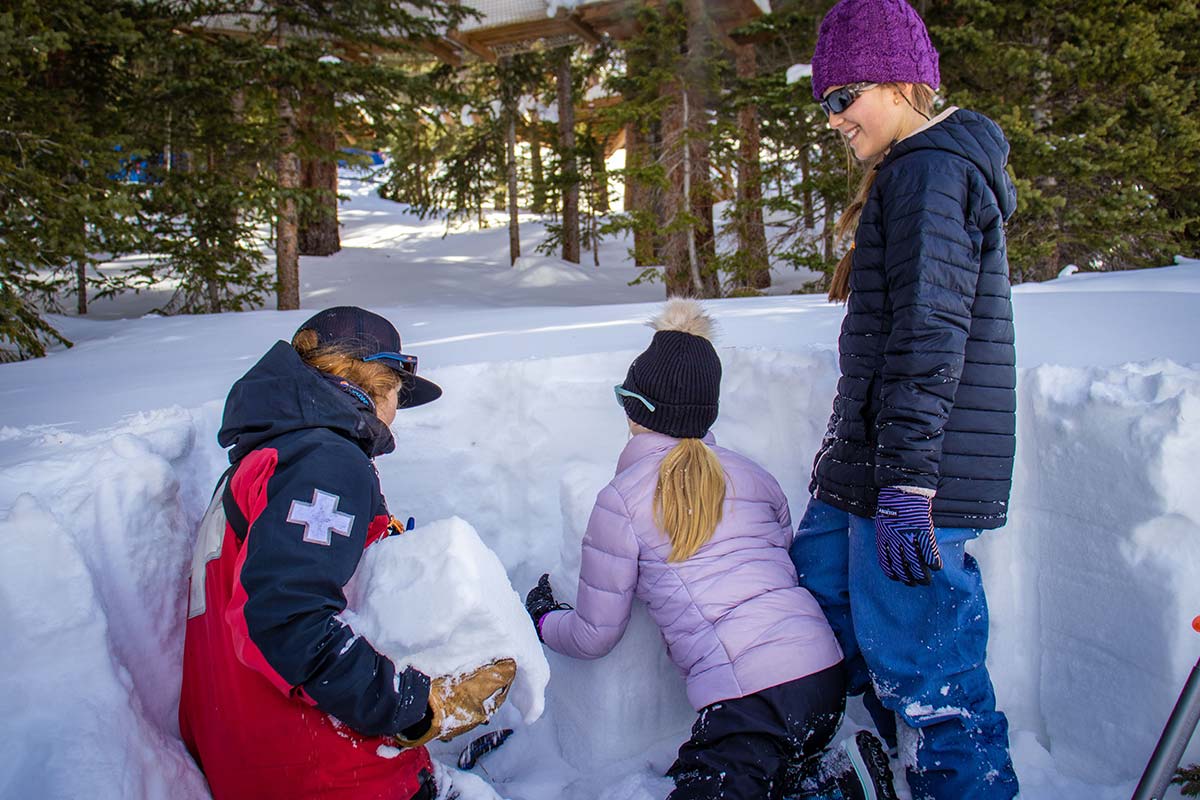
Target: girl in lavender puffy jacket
column 701, row 535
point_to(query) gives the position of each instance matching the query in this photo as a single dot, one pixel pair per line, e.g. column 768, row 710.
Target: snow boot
column 857, row 769
column 870, row 777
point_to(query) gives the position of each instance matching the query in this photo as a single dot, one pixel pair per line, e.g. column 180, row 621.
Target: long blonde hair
column 374, row 379
column 689, row 497
column 839, row 285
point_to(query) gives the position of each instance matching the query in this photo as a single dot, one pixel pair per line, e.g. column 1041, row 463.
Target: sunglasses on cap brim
column 621, row 392
column 402, row 360
column 839, row 100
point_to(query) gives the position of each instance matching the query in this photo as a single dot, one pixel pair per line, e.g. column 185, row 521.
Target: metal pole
column 1174, row 739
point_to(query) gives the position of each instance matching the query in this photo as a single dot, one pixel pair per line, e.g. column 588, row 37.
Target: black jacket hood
column 975, row 138
column 281, row 394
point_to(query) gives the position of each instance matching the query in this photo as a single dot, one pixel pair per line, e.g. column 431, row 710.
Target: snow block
column 436, row 598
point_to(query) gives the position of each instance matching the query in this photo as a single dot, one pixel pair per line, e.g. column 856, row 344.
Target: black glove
column 540, row 602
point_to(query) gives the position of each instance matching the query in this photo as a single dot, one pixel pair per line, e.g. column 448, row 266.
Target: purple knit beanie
column 880, row 41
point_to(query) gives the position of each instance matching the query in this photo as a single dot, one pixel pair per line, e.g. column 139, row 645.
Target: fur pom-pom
column 688, row 316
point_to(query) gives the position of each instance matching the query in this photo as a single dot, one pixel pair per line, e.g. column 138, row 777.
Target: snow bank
column 1095, row 581
column 535, row 273
column 96, row 543
column 437, row 599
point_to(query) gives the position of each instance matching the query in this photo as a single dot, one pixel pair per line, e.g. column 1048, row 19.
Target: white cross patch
column 320, row 518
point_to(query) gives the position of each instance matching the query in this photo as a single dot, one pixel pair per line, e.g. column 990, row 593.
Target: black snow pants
column 742, row 749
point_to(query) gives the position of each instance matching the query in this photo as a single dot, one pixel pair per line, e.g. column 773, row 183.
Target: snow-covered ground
column 108, row 454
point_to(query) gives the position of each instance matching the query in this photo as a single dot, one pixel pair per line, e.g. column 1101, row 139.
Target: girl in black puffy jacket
column 918, row 456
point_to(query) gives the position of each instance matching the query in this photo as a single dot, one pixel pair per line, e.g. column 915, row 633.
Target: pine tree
column 199, row 100
column 457, row 143
column 324, row 64
column 513, row 77
column 318, row 233
column 573, row 171
column 806, row 168
column 568, row 157
column 1099, row 101
column 61, row 210
column 668, row 87
column 417, row 140
column 208, row 194
column 752, row 271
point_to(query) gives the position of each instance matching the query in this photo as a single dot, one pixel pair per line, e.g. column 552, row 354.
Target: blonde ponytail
column 689, row 497
column 839, row 285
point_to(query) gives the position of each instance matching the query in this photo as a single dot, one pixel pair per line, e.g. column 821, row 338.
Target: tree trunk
column 702, row 200
column 599, row 175
column 287, row 253
column 570, row 176
column 319, row 227
column 167, row 146
column 633, row 147
column 751, row 233
column 538, row 201
column 514, row 231
column 639, row 198
column 595, row 240
column 681, row 252
column 675, row 251
column 689, row 247
column 706, row 238
column 81, row 278
column 212, row 284
column 806, row 195
column 830, row 222
column 699, row 42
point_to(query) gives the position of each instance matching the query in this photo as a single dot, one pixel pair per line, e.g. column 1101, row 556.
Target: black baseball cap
column 369, row 337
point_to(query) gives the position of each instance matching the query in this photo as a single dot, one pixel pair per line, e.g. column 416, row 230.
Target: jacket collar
column 645, row 444
column 929, row 123
column 281, row 394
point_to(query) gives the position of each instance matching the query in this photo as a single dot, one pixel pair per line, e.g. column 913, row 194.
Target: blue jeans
column 916, row 651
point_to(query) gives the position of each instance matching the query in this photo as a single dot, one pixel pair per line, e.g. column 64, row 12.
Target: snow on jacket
column 733, row 617
column 927, row 394
column 280, row 698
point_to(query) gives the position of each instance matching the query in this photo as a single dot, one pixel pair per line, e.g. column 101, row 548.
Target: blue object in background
column 136, row 168
column 375, row 156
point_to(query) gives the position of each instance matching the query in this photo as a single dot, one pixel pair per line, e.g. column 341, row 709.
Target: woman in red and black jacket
column 280, row 697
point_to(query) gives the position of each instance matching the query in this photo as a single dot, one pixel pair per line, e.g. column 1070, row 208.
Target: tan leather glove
column 463, row 702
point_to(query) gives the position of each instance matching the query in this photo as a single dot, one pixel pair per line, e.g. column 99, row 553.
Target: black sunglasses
column 839, row 100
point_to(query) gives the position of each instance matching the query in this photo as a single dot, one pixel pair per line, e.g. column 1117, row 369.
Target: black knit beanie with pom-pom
column 679, row 373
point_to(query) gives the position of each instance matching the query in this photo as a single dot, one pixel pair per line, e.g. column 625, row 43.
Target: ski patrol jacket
column 733, row 617
column 926, row 396
column 280, row 698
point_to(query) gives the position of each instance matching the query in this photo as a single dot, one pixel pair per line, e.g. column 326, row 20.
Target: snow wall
column 1092, row 585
